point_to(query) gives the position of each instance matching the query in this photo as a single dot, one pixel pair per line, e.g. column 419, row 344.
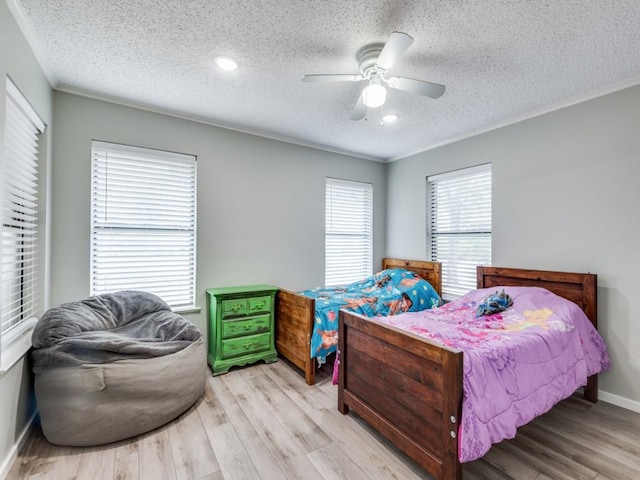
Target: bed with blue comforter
column 307, row 322
column 387, row 293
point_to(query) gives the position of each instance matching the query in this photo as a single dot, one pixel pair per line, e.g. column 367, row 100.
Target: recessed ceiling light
column 226, row 63
column 390, row 118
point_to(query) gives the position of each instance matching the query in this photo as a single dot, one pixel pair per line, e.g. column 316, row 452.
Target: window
column 348, row 231
column 459, row 226
column 143, row 222
column 19, row 293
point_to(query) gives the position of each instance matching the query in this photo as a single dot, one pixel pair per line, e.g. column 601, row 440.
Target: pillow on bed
column 402, row 291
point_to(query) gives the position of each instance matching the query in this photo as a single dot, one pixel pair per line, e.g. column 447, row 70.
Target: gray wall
column 565, row 197
column 17, row 61
column 260, row 201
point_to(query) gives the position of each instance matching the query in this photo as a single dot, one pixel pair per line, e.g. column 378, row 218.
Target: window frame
column 460, row 276
column 148, row 230
column 336, row 271
column 23, row 182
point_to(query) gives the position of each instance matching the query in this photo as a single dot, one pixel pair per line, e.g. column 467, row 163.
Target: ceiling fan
column 375, row 61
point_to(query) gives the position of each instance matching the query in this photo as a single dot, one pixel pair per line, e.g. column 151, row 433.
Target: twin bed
column 296, row 315
column 395, row 373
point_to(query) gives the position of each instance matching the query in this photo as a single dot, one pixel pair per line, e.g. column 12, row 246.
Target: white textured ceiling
column 500, row 60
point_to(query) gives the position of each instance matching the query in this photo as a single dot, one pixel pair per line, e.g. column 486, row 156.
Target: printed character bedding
column 388, row 292
column 518, row 363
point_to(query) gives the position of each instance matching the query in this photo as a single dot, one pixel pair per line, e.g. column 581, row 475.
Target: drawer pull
column 259, row 305
column 247, row 345
column 247, row 326
column 235, row 308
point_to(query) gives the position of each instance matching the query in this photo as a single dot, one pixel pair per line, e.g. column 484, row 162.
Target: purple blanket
column 517, row 363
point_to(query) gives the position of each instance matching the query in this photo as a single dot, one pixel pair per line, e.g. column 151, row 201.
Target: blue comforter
column 386, row 293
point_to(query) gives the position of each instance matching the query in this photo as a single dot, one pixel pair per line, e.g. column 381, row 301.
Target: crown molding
column 632, row 82
column 211, row 122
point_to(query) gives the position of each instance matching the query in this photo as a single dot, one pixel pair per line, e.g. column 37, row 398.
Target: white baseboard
column 7, row 463
column 619, row 401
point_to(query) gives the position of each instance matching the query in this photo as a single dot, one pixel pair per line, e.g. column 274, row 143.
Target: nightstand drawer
column 234, row 308
column 246, row 345
column 259, row 304
column 246, row 326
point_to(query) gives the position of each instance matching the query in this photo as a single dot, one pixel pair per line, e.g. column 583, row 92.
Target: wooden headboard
column 430, row 271
column 580, row 288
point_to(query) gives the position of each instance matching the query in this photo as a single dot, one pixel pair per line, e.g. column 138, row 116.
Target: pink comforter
column 517, row 364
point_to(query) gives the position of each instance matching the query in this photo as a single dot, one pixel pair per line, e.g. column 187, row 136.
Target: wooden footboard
column 294, row 325
column 407, row 388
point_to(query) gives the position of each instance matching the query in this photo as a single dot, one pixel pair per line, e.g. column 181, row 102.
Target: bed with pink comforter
column 517, row 363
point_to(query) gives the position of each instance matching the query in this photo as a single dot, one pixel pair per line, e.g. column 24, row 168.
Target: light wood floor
column 263, row 422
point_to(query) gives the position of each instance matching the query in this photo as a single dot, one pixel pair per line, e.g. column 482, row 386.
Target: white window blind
column 459, row 226
column 143, row 222
column 19, row 295
column 348, row 231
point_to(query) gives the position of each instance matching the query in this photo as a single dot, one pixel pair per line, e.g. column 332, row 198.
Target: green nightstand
column 241, row 326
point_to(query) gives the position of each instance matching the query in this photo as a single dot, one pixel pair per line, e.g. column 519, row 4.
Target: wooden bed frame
column 295, row 316
column 410, row 389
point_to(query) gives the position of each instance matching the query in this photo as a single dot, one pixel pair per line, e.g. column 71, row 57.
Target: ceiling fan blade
column 359, row 110
column 332, row 78
column 420, row 87
column 394, row 48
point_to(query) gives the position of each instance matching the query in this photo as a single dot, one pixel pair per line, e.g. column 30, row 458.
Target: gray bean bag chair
column 114, row 366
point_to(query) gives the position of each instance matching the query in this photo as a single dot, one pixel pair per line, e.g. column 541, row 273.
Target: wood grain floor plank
column 35, row 458
column 580, row 450
column 618, row 417
column 542, row 476
column 618, row 435
column 232, row 456
column 127, row 460
column 193, row 456
column 213, row 476
column 623, row 452
column 481, row 470
column 233, row 411
column 268, row 468
column 156, row 459
column 308, row 398
column 282, row 446
column 509, row 464
column 374, row 458
column 308, row 434
column 334, row 464
column 545, row 460
column 97, row 463
column 210, row 409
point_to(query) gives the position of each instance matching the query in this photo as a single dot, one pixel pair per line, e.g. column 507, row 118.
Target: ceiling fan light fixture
column 226, row 63
column 374, row 95
column 374, row 62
